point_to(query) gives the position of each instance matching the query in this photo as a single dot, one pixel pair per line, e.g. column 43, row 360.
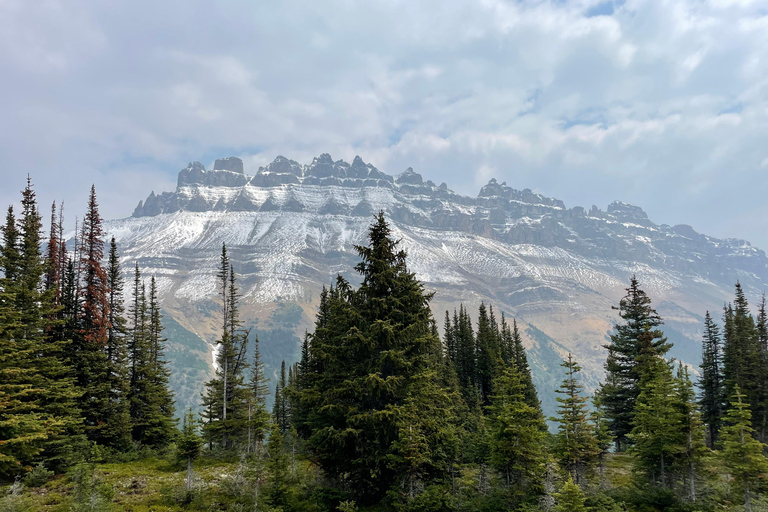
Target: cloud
column 663, row 103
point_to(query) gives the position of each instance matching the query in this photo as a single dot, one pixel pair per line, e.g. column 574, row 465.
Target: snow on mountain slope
column 291, row 228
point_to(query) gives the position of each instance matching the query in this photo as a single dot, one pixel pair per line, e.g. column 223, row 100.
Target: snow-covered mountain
column 290, row 228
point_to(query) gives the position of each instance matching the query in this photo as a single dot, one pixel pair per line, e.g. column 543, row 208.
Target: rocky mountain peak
column 231, row 163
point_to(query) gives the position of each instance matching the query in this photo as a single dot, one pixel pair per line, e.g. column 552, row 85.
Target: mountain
column 290, row 228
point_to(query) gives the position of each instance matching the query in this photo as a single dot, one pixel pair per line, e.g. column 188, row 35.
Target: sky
column 663, row 104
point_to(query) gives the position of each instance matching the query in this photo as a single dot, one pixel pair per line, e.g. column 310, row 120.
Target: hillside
column 290, row 228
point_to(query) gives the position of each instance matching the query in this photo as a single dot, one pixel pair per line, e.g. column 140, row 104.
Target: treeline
column 74, row 370
column 380, row 413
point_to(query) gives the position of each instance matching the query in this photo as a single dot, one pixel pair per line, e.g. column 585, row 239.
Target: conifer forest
column 390, row 408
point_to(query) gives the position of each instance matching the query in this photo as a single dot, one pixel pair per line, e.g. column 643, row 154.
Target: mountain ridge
column 290, row 228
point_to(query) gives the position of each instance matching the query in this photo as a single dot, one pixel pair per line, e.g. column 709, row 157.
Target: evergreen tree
column 258, row 416
column 621, row 389
column 226, row 397
column 741, row 351
column 159, row 423
column 140, row 359
column 465, row 363
column 117, row 428
column 761, row 412
column 277, row 469
column 280, row 408
column 517, row 435
column 742, row 455
column 36, row 383
column 693, row 450
column 371, row 346
column 487, row 354
column 570, row 498
column 657, row 417
column 521, row 362
column 89, row 345
column 712, row 400
column 576, row 446
column 189, row 444
column 603, row 437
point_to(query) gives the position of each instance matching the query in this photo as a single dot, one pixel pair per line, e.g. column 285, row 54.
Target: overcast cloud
column 659, row 103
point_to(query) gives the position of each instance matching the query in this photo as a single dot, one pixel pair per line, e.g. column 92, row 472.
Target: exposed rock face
column 230, row 163
column 290, row 228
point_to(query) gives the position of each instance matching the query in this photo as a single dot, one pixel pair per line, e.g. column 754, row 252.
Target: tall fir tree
column 741, row 350
column 712, row 384
column 369, row 354
column 487, row 354
column 36, row 384
column 576, row 445
column 657, row 419
column 89, row 354
column 517, row 434
column 742, row 455
column 622, row 386
column 226, row 396
column 160, row 425
column 117, row 429
column 258, row 416
column 693, row 451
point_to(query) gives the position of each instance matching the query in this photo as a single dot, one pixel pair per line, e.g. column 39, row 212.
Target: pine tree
column 89, row 346
column 621, row 389
column 277, row 469
column 741, row 351
column 225, row 400
column 487, row 354
column 517, row 435
column 31, row 318
column 189, row 444
column 258, row 416
column 692, row 430
column 657, row 418
column 712, row 400
column 602, row 432
column 521, row 363
column 140, row 359
column 369, row 349
column 117, row 428
column 280, row 408
column 742, row 455
column 159, row 424
column 570, row 498
column 761, row 413
column 466, row 362
column 576, row 446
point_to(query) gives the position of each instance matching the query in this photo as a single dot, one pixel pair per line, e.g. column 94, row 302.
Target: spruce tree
column 570, row 498
column 603, row 437
column 693, row 450
column 159, row 422
column 258, row 416
column 712, row 400
column 189, row 444
column 368, row 352
column 30, row 310
column 226, row 397
column 517, row 435
column 89, row 346
column 117, row 429
column 742, row 455
column 741, row 351
column 656, row 434
column 621, row 388
column 521, row 362
column 576, row 446
column 761, row 413
column 487, row 354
